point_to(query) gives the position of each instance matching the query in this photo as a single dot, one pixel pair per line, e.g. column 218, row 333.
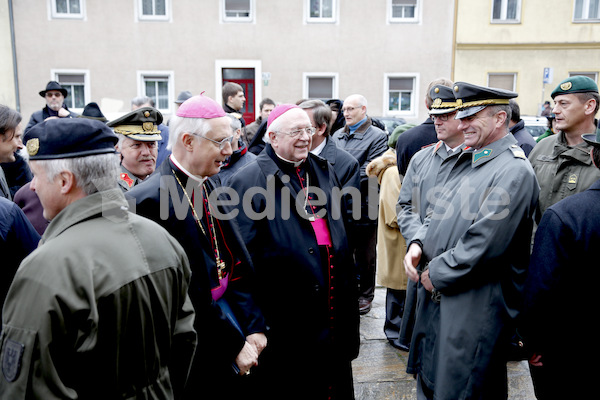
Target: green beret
column 575, row 84
column 69, row 138
column 397, row 131
column 141, row 124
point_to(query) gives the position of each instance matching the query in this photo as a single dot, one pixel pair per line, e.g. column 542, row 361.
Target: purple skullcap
column 200, row 107
column 279, row 111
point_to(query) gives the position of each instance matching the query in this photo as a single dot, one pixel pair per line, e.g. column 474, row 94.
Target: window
column 400, row 95
column 403, row 10
column 591, row 75
column 507, row 81
column 77, row 85
column 158, row 86
column 154, row 10
column 321, row 86
column 506, row 11
column 74, row 9
column 321, row 10
column 237, row 10
column 587, row 11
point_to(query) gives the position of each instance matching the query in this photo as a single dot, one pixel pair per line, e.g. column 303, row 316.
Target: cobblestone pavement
column 379, row 370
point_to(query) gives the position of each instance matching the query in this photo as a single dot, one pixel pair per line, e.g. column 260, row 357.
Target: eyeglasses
column 442, row 117
column 57, row 94
column 348, row 109
column 138, row 145
column 221, row 144
column 310, row 130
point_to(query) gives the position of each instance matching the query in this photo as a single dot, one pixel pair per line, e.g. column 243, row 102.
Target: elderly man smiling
column 306, row 283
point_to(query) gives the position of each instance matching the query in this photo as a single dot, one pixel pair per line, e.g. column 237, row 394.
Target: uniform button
column 317, row 288
column 311, row 250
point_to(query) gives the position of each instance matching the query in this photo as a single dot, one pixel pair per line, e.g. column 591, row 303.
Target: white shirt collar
column 199, row 179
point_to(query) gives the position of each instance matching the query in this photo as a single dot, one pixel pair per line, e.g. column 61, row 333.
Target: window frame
column 248, row 19
column 54, row 74
column 153, row 17
column 585, row 10
column 585, row 73
column 515, row 75
column 414, row 103
column 503, row 12
column 54, row 14
column 321, row 20
column 395, row 20
column 169, row 76
column 306, row 76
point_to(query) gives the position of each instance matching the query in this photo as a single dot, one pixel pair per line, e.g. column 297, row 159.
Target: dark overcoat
column 560, row 293
column 219, row 341
column 312, row 313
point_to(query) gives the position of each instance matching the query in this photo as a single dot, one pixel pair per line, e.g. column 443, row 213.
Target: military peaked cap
column 141, row 124
column 473, row 98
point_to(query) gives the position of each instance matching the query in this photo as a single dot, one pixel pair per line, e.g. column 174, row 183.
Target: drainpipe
column 14, row 55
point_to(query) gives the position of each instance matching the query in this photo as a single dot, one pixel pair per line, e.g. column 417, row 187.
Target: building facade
column 528, row 46
column 110, row 51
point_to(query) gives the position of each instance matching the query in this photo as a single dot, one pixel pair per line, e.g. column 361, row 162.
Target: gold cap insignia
column 33, row 145
column 437, row 90
column 437, row 102
column 566, row 86
column 456, row 88
column 148, row 126
column 146, row 114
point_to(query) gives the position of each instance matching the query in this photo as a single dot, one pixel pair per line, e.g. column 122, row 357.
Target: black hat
column 141, row 124
column 473, row 98
column 443, row 100
column 68, row 138
column 183, row 96
column 92, row 111
column 53, row 85
column 593, row 139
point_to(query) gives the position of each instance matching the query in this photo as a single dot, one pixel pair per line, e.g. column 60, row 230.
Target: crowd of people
column 207, row 257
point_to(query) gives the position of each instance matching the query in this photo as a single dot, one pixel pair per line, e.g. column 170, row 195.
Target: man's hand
column 258, row 340
column 426, row 282
column 62, row 113
column 411, row 260
column 247, row 358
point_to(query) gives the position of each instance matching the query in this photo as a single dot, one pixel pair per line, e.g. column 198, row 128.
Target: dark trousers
column 365, row 256
column 394, row 309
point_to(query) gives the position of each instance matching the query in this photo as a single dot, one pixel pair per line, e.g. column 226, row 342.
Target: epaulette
column 518, row 152
column 428, row 145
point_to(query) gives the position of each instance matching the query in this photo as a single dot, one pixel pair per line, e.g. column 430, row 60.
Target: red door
column 245, row 78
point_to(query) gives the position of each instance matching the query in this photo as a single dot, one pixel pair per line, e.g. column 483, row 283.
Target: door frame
column 255, row 64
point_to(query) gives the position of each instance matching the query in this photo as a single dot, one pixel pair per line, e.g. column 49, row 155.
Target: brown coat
column 391, row 246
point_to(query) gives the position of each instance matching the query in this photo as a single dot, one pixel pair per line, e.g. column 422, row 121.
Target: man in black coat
column 290, row 218
column 178, row 196
column 556, row 319
column 55, row 107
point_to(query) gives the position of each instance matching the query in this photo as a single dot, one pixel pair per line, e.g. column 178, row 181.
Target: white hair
column 92, row 173
column 180, row 125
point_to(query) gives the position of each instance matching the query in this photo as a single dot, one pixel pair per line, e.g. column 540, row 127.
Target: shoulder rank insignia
column 126, row 179
column 481, row 154
column 518, row 152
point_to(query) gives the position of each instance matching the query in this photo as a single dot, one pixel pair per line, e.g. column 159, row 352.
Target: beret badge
column 33, row 145
column 566, row 86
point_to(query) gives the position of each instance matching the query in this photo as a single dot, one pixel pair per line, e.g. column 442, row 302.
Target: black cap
column 443, row 100
column 141, row 124
column 183, row 96
column 92, row 111
column 473, row 98
column 53, row 85
column 68, row 138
